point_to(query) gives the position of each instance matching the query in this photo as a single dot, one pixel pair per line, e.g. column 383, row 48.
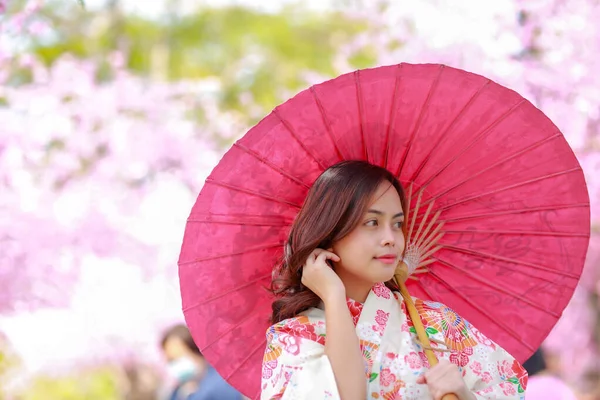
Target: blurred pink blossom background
column 97, row 178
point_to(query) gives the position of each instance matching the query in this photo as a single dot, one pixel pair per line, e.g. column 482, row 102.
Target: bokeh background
column 112, row 113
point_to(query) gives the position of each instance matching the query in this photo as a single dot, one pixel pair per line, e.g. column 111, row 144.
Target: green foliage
column 365, row 57
column 101, row 384
column 8, row 364
column 253, row 53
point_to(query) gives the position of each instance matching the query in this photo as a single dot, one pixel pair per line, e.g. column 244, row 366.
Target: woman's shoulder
column 309, row 325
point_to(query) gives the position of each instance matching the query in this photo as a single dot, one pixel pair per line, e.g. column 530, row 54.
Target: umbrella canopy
column 487, row 168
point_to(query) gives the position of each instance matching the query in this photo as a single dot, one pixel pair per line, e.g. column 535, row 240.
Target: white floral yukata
column 295, row 365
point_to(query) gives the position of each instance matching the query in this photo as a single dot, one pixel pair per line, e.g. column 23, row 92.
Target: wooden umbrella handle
column 400, row 277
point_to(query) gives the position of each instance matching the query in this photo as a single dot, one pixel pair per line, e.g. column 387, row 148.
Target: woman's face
column 371, row 252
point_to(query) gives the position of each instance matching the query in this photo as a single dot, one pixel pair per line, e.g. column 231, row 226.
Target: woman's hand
column 318, row 276
column 445, row 378
column 342, row 346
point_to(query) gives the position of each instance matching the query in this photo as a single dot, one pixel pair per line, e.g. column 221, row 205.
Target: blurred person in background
column 191, row 377
column 543, row 384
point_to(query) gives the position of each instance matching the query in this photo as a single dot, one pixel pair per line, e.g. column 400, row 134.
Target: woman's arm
column 343, row 349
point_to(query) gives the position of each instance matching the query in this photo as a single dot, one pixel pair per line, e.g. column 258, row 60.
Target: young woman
column 341, row 329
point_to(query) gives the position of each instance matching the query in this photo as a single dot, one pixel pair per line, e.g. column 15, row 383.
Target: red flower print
column 455, row 336
column 355, row 309
column 391, row 356
column 521, row 373
column 424, row 359
column 387, row 378
column 377, row 328
column 303, row 329
column 508, row 389
column 381, row 318
column 290, row 344
column 268, row 367
column 476, row 368
column 481, row 338
column 486, row 377
column 413, row 360
column 506, row 370
column 461, row 359
column 381, row 290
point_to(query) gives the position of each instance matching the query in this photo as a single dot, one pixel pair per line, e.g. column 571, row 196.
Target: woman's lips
column 388, row 259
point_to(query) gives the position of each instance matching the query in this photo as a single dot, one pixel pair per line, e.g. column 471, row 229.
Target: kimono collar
column 356, row 307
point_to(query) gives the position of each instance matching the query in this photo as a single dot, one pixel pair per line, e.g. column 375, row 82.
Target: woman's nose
column 388, row 238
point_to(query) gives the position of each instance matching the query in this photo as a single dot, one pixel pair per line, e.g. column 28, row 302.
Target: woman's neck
column 357, row 289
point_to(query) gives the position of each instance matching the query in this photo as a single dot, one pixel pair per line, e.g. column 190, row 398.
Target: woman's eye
column 399, row 224
column 371, row 223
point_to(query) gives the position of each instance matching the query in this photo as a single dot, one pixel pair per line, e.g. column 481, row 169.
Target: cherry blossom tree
column 97, row 179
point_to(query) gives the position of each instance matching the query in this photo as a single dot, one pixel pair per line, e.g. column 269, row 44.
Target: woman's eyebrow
column 372, row 211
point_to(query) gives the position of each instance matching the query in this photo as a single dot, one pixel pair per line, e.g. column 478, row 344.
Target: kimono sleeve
column 295, row 365
column 491, row 372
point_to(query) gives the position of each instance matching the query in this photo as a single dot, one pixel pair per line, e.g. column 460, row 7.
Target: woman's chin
column 387, row 271
column 383, row 277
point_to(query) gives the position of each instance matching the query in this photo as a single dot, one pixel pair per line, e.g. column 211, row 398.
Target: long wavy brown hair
column 335, row 205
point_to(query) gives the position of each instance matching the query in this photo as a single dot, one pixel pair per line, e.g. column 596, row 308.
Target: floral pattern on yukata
column 296, row 367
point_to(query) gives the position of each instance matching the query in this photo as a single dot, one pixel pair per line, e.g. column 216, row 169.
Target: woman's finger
column 330, row 255
column 312, row 258
column 320, row 255
column 323, row 257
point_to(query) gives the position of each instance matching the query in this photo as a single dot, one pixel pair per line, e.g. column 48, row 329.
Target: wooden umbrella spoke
column 424, row 233
column 417, row 238
column 428, row 228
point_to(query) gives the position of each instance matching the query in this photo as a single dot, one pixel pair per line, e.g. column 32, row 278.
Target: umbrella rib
column 221, row 335
column 360, row 106
column 487, row 315
column 419, row 119
column 295, row 136
column 269, row 164
column 443, row 135
column 245, row 360
column 477, row 138
column 326, row 122
column 220, row 295
column 520, row 211
column 510, row 260
column 392, row 115
column 418, row 237
column 424, row 288
column 516, row 185
column 237, row 253
column 514, row 232
column 527, row 274
column 232, row 219
column 496, row 287
column 498, row 163
column 415, row 211
column 252, row 192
